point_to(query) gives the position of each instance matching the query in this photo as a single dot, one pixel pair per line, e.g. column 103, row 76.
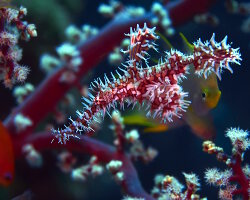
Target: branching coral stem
column 105, row 153
column 187, row 8
column 240, row 178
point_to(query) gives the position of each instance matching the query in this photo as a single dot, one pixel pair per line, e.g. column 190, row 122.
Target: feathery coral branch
column 11, row 29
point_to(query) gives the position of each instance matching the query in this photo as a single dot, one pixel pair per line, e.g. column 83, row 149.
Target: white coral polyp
column 238, row 138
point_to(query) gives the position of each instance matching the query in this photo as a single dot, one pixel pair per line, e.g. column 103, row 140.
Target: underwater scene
column 124, row 100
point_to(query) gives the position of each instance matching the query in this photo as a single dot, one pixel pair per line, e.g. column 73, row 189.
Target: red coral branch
column 105, row 153
column 226, row 180
column 240, row 177
column 187, row 8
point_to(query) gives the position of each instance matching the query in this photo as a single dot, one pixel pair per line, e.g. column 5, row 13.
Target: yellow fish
column 149, row 124
column 6, row 157
column 201, row 126
column 204, row 95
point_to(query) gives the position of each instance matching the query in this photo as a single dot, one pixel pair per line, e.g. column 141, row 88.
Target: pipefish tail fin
column 186, row 42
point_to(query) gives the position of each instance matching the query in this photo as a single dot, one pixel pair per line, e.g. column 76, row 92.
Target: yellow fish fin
column 155, row 60
column 170, row 46
column 156, row 129
column 190, row 108
column 137, row 119
column 202, row 126
column 189, row 45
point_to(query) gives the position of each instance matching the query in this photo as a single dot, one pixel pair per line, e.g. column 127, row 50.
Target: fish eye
column 8, row 176
column 203, row 94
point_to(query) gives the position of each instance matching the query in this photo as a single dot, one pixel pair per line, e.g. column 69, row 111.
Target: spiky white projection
column 157, row 86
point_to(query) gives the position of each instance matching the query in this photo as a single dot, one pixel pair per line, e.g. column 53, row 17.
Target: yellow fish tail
column 156, row 129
